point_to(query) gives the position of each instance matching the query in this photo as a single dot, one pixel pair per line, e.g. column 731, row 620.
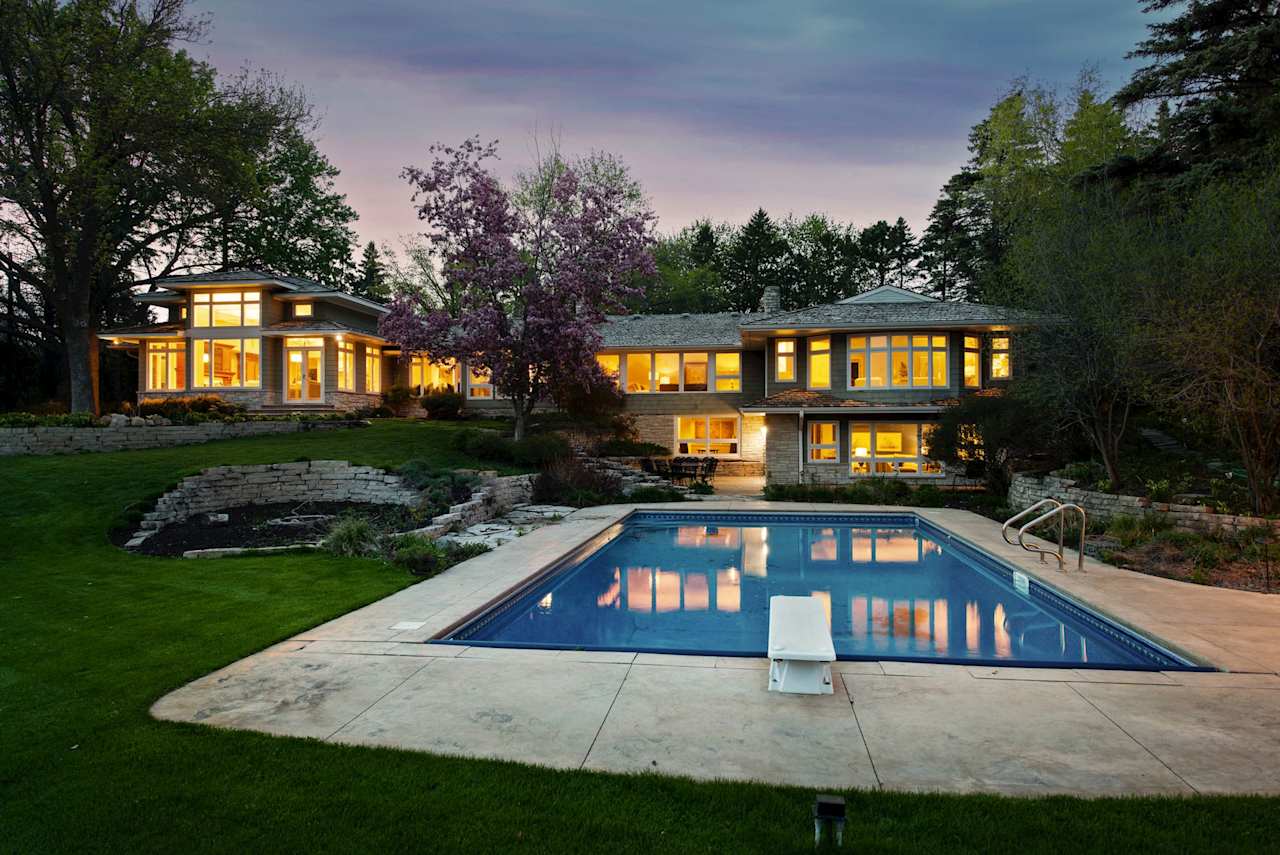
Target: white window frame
column 196, row 365
column 777, row 377
column 920, row 459
column 675, row 435
column 372, row 369
column 624, row 376
column 717, row 375
column 347, row 374
column 472, row 386
column 167, row 349
column 205, row 300
column 808, row 365
column 812, row 446
column 888, row 349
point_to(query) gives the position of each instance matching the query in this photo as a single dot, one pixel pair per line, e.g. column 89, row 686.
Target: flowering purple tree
column 525, row 285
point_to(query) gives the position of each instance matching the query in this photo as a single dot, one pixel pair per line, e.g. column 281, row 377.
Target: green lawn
column 90, row 636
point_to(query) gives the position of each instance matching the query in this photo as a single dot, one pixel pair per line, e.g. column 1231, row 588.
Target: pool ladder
column 1058, row 510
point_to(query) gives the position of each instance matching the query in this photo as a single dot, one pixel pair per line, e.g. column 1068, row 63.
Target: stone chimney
column 771, row 300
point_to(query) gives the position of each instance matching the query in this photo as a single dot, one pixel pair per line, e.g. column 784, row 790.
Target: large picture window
column 703, row 436
column 166, row 365
column 227, row 363
column 372, row 369
column 227, row 309
column 820, row 363
column 883, row 361
column 886, row 449
column 425, row 375
column 676, row 372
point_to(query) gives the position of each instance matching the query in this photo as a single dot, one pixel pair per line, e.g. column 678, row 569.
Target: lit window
column 227, row 362
column 166, row 365
column 666, row 372
column 820, row 363
column 891, row 449
column 610, row 364
column 302, row 310
column 824, row 442
column 728, row 372
column 784, row 360
column 639, row 372
column 346, row 366
column 972, row 362
column 479, row 383
column 716, row 436
column 227, row 309
column 878, row 361
column 425, row 375
column 1001, row 369
column 373, row 369
column 695, row 372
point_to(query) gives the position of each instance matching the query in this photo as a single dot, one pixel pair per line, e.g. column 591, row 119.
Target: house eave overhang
column 333, row 297
column 862, row 411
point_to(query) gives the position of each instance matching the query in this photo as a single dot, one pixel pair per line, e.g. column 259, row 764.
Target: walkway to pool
column 367, row 678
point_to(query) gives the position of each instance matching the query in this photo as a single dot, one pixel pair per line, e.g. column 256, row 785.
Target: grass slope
column 90, row 636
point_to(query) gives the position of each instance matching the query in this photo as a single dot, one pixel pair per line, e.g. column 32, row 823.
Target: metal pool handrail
column 1059, row 510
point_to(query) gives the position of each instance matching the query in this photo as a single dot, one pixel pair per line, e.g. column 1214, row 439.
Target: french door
column 304, row 370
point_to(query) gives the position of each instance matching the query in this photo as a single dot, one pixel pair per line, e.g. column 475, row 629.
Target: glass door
column 304, row 371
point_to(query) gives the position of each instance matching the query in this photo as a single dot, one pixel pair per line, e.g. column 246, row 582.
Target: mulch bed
column 248, row 526
column 1166, row 560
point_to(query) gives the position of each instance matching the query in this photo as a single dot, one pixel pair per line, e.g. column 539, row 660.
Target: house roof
column 720, row 329
column 319, row 325
column 149, row 330
column 171, row 287
column 808, row 400
column 889, row 294
column 898, row 314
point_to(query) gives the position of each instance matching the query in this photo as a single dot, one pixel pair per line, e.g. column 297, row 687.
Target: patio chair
column 708, row 469
column 662, row 468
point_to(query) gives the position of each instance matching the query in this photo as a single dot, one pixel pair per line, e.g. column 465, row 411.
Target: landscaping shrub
column 1131, row 530
column 380, row 412
column 567, row 481
column 181, row 408
column 397, row 396
column 351, row 537
column 532, row 451
column 29, row 420
column 655, row 494
column 618, row 447
column 425, row 557
column 442, row 404
column 440, row 487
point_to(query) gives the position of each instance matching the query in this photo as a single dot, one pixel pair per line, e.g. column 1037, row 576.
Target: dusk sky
column 859, row 109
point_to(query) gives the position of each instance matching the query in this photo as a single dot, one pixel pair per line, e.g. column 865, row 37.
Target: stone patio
column 367, row 678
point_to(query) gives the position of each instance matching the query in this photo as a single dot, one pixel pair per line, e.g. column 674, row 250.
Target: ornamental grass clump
column 351, row 536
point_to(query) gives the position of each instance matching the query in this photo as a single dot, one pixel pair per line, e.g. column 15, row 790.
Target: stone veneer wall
column 65, row 440
column 1026, row 490
column 660, row 430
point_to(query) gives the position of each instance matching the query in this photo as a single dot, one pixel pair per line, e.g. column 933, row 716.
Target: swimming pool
column 894, row 587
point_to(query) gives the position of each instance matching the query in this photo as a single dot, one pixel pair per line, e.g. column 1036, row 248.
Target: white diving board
column 800, row 647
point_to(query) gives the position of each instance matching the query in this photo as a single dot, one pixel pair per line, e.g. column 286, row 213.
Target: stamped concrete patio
column 368, row 678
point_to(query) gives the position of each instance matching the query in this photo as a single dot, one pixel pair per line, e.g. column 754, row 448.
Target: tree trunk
column 82, row 361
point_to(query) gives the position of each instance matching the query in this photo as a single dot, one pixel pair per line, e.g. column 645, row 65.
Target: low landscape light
column 828, row 810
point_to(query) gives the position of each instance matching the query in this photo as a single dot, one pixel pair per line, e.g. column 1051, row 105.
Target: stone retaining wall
column 223, row 487
column 66, row 440
column 263, row 484
column 1026, row 490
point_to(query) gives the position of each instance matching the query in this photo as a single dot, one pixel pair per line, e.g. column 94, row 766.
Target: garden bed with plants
column 1246, row 559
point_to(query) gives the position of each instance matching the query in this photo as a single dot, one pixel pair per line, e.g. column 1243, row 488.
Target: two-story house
column 825, row 394
column 267, row 342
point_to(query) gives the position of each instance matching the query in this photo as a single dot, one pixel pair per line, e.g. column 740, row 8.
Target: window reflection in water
column 824, row 597
column 696, row 593
column 728, row 590
column 667, row 590
column 755, row 551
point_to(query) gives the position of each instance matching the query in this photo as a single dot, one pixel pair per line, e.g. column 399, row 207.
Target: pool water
column 892, row 586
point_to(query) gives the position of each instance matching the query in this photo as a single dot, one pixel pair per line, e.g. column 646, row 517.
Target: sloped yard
column 91, row 636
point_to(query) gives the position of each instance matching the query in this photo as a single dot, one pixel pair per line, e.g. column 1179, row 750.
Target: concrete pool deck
column 367, row 678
